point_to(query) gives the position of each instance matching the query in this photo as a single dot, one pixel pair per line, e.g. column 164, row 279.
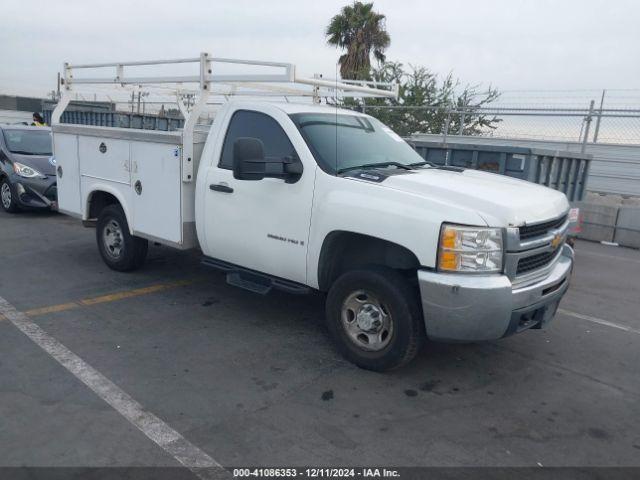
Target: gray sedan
column 27, row 168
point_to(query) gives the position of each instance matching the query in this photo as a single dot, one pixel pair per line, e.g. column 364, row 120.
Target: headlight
column 25, row 171
column 470, row 249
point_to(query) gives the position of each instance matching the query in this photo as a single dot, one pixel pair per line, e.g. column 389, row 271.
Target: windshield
column 28, row 142
column 344, row 142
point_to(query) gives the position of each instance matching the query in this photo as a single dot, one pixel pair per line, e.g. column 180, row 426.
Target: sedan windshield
column 347, row 142
column 28, row 142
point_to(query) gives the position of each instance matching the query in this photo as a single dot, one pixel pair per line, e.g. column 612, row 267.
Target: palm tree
column 359, row 30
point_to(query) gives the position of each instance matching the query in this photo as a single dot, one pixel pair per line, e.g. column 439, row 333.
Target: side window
column 245, row 123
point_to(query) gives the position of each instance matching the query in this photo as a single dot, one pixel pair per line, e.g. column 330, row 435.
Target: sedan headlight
column 26, row 171
column 470, row 249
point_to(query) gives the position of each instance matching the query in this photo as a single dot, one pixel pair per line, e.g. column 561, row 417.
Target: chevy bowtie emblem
column 557, row 240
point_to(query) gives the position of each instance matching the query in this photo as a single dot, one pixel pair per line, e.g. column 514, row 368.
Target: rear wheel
column 375, row 319
column 119, row 249
column 7, row 198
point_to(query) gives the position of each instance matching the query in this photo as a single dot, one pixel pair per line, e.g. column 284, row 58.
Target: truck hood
column 499, row 200
column 41, row 163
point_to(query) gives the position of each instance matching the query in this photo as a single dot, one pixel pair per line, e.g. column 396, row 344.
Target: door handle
column 218, row 187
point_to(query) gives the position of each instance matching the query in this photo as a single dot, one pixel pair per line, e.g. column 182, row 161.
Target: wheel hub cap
column 367, row 321
column 369, row 318
column 112, row 236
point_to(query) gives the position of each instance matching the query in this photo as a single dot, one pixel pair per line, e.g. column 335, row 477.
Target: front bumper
column 469, row 308
column 35, row 192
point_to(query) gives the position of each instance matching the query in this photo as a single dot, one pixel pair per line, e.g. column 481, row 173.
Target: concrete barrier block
column 628, row 226
column 634, row 201
column 598, row 221
column 610, row 199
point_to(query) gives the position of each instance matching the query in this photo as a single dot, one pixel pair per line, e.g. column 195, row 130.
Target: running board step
column 254, row 281
column 254, row 284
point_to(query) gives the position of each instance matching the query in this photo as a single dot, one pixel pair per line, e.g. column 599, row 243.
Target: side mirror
column 249, row 163
column 248, row 159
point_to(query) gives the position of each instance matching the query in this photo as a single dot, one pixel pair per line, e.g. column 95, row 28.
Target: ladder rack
column 207, row 77
column 285, row 82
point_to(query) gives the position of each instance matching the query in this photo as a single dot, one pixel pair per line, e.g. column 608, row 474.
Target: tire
column 7, row 197
column 120, row 250
column 380, row 300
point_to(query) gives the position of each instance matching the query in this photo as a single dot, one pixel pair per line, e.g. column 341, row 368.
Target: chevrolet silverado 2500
column 301, row 197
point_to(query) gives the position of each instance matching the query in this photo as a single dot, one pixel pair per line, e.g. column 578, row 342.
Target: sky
column 510, row 44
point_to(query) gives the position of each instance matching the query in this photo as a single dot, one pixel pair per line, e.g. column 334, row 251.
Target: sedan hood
column 499, row 200
column 41, row 163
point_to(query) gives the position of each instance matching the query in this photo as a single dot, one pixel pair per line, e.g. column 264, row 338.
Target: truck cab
column 365, row 201
column 303, row 197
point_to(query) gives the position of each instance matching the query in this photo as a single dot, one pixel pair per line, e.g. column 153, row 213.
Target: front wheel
column 375, row 319
column 120, row 250
column 7, row 197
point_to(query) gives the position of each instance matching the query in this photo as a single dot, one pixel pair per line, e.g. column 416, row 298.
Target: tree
column 426, row 104
column 360, row 31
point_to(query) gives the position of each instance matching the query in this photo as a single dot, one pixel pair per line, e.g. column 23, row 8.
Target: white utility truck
column 304, row 196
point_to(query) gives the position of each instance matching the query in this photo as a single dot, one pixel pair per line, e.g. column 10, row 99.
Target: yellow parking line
column 137, row 292
column 52, row 309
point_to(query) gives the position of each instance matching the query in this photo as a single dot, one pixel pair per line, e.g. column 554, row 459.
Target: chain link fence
column 618, row 126
column 593, row 116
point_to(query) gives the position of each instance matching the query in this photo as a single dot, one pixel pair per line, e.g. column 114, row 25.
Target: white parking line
column 187, row 454
column 599, row 321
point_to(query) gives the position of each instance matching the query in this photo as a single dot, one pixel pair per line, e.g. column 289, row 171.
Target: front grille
column 540, row 229
column 536, row 261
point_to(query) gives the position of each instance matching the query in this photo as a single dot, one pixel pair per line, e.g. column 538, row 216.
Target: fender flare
column 101, row 187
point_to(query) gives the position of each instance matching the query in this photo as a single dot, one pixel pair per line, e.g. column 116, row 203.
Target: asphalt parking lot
column 252, row 380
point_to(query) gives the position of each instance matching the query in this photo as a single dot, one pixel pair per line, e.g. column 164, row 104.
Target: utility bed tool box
column 143, row 169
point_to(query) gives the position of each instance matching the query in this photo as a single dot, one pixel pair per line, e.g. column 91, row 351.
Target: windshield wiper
column 376, row 165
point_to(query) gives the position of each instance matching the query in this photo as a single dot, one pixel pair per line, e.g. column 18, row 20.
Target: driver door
column 261, row 225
